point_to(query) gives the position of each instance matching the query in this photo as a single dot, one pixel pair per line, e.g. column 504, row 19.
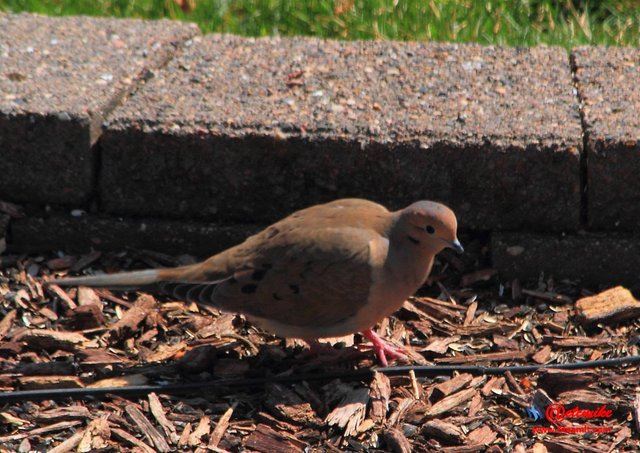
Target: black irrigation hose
column 364, row 373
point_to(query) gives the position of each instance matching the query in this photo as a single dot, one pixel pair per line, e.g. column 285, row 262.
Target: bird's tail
column 124, row 281
column 186, row 282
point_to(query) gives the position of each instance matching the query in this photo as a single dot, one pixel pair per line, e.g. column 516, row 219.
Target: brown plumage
column 324, row 271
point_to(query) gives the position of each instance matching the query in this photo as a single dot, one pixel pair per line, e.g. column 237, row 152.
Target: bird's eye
column 429, row 229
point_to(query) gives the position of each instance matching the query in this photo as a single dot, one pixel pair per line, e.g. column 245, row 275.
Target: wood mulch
column 82, row 338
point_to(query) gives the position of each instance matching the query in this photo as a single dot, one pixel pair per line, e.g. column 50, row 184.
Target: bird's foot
column 384, row 349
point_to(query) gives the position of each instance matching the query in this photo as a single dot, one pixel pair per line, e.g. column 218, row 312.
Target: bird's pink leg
column 382, row 348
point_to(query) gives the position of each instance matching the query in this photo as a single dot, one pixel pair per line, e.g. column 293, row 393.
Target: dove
column 325, row 271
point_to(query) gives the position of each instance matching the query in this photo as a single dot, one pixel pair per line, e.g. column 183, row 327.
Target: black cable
column 364, row 373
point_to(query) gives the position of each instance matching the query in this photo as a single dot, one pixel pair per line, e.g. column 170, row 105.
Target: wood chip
column 266, row 440
column 7, row 323
column 503, row 342
column 90, row 357
column 54, row 427
column 471, row 312
column 514, row 385
column 106, row 294
column 440, row 345
column 96, row 436
column 132, row 318
column 636, row 411
column 396, row 441
column 147, row 429
column 25, row 445
column 69, row 444
column 473, row 448
column 268, row 419
column 183, row 441
column 495, row 383
column 448, row 432
column 577, row 341
column 49, row 382
column 219, row 326
column 379, row 393
column 623, row 434
column 541, row 399
column 203, row 429
column 155, row 406
column 52, row 340
column 318, row 403
column 417, row 389
column 288, row 405
column 409, row 410
column 64, row 413
column 450, row 402
column 557, row 381
column 11, row 348
column 121, row 381
column 585, row 399
column 165, row 352
column 85, row 317
column 12, row 437
column 48, row 313
column 9, row 418
column 439, row 309
column 485, row 329
column 350, row 411
column 66, row 301
column 542, row 355
column 614, row 304
column 88, row 296
column 539, row 448
column 221, row 428
column 475, row 405
column 482, row 435
column 487, row 357
column 117, row 432
column 450, row 386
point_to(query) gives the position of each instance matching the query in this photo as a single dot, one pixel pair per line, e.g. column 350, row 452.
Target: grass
column 515, row 23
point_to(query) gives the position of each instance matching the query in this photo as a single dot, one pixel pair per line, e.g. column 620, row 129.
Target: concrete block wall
column 160, row 133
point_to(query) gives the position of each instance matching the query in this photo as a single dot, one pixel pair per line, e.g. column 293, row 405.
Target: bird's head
column 428, row 225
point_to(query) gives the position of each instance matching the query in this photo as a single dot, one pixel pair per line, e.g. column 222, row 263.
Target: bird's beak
column 455, row 245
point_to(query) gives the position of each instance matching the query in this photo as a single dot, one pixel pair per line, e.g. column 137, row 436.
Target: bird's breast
column 393, row 284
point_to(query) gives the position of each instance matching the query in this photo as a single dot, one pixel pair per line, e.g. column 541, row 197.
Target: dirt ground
column 84, row 338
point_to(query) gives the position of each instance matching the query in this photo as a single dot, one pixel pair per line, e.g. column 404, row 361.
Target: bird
column 328, row 270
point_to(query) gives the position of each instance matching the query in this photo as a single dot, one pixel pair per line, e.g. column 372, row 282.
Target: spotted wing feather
column 318, row 276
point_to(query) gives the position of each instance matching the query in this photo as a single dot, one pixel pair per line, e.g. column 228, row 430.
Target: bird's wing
column 304, row 277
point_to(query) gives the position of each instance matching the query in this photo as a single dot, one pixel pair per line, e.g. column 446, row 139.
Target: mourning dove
column 325, row 271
